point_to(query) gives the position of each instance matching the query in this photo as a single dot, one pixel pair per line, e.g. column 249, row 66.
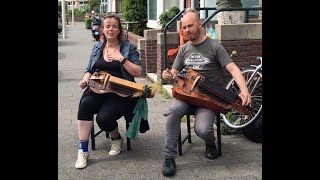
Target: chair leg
column 180, row 141
column 218, row 133
column 128, row 139
column 93, row 142
column 180, row 145
column 189, row 129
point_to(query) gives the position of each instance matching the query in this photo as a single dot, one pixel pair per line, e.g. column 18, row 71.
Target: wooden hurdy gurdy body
column 102, row 82
column 191, row 87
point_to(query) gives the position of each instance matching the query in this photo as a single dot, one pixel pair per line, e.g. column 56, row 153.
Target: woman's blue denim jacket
column 127, row 50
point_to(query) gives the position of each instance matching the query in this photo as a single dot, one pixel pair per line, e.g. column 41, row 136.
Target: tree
column 94, row 5
column 136, row 11
column 59, row 6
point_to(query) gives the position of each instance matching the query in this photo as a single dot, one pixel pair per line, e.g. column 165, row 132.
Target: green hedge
column 136, row 11
column 166, row 16
column 88, row 22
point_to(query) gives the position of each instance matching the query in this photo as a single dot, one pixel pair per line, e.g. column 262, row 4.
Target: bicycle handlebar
column 259, row 58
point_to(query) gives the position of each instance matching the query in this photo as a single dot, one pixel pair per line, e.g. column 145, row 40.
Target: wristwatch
column 124, row 61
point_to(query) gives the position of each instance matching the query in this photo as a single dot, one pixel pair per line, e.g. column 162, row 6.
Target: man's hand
column 167, row 75
column 245, row 97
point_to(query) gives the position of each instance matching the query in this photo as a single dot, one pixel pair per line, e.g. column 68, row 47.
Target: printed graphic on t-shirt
column 196, row 61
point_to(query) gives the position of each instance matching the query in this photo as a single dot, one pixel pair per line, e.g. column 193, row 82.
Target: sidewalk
column 241, row 158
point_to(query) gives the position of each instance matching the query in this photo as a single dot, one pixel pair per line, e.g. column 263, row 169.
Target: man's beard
column 194, row 36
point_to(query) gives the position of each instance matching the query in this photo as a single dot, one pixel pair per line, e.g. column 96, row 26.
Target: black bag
column 144, row 126
column 254, row 131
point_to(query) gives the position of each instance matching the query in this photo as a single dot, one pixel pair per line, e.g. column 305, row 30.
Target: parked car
column 59, row 23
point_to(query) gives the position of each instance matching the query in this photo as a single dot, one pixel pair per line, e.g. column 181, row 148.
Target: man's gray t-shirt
column 207, row 58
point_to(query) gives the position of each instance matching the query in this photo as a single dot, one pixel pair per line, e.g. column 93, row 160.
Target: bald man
column 208, row 57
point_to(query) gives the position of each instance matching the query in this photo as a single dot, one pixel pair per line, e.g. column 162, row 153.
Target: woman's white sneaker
column 82, row 159
column 116, row 147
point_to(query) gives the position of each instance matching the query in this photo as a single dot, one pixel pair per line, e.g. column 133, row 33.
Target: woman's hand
column 85, row 79
column 83, row 84
column 115, row 56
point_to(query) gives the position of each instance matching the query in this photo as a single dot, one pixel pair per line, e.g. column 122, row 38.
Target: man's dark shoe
column 169, row 166
column 211, row 151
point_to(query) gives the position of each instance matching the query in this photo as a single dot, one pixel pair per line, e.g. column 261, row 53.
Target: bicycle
column 253, row 77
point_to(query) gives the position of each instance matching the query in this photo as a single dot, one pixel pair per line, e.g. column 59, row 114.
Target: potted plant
column 167, row 16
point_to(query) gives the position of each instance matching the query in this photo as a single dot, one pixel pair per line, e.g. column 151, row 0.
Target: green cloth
column 140, row 112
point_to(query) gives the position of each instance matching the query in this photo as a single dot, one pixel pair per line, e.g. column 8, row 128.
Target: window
column 119, row 6
column 210, row 12
column 152, row 13
column 170, row 3
column 251, row 3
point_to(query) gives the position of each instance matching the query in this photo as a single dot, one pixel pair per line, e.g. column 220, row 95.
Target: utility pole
column 63, row 14
column 72, row 12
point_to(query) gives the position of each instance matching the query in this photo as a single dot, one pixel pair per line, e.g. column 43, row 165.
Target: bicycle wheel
column 236, row 120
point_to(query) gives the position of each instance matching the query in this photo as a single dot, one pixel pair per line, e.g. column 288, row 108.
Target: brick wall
column 172, row 42
column 133, row 38
column 139, row 42
column 160, row 57
column 143, row 61
column 245, row 39
column 247, row 52
column 151, row 50
column 151, row 55
column 147, row 47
